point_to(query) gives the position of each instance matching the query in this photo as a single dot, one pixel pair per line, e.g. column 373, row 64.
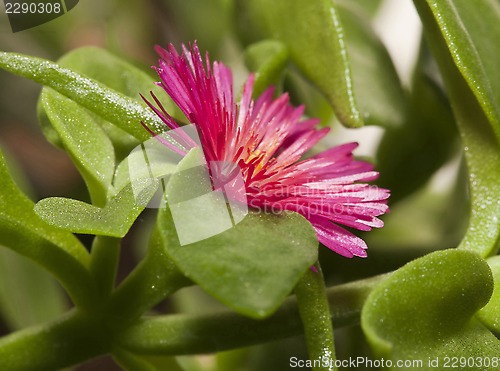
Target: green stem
column 187, row 334
column 71, row 271
column 315, row 314
column 62, row 343
column 76, row 337
column 104, row 258
column 154, row 279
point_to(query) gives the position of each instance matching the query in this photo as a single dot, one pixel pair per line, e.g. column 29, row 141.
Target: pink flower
column 267, row 139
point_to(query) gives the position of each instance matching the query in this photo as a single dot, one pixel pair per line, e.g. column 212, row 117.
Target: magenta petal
column 338, row 239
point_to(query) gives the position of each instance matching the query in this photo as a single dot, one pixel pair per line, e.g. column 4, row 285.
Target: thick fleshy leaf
column 124, row 204
column 84, row 140
column 28, row 294
column 268, row 59
column 424, row 311
column 252, row 266
column 121, row 76
column 25, row 233
column 471, row 33
column 114, row 219
column 110, row 70
column 378, row 90
column 463, row 40
column 313, row 33
column 113, row 106
column 490, row 314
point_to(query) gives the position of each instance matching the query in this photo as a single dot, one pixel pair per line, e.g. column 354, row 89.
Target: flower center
column 255, row 160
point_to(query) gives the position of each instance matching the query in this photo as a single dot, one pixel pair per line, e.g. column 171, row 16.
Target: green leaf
column 425, row 310
column 313, row 33
column 115, row 107
column 471, row 33
column 28, row 294
column 252, row 266
column 57, row 251
column 377, row 88
column 268, row 59
column 110, row 70
column 114, row 219
column 462, row 38
column 490, row 313
column 121, row 76
column 84, row 140
column 119, row 213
